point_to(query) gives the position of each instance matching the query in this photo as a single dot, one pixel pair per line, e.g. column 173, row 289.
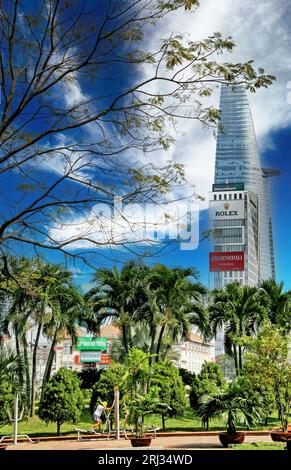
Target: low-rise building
column 192, row 353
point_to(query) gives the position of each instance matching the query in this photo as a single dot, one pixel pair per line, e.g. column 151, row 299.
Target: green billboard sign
column 85, row 343
column 228, row 187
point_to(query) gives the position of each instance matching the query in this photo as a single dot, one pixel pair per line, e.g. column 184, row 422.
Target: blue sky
column 281, row 211
column 262, row 32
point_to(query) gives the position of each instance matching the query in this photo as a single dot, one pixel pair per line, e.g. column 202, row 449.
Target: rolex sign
column 223, row 210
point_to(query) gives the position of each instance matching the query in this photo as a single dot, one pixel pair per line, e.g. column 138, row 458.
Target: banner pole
column 116, row 411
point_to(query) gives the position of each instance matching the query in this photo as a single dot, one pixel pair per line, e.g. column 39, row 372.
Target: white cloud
column 131, row 223
column 261, row 32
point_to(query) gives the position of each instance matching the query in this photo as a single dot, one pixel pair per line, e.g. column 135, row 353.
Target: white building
column 191, row 354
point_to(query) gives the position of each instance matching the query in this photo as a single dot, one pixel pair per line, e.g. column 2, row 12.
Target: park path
column 169, row 442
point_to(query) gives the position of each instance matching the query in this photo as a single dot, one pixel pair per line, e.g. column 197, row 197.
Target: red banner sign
column 226, row 261
column 105, row 359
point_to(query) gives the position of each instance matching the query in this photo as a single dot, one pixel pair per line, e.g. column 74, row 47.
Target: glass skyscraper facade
column 240, row 202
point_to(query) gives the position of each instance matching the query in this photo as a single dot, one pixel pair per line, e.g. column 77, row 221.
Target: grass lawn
column 36, row 427
column 259, row 446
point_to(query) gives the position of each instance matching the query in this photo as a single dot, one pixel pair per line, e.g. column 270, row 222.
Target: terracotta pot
column 141, row 441
column 280, row 436
column 236, row 438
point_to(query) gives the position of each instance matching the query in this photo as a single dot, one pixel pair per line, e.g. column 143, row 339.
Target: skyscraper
column 239, row 203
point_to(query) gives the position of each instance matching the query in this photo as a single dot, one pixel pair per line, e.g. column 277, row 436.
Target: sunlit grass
column 259, row 446
column 188, row 422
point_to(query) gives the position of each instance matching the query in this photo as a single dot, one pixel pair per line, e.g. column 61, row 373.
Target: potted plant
column 140, row 398
column 138, row 408
column 235, row 405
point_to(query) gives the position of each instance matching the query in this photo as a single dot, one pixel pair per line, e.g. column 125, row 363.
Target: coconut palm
column 19, row 299
column 233, row 403
column 48, row 281
column 31, row 295
column 68, row 310
column 279, row 303
column 239, row 311
column 118, row 296
column 176, row 304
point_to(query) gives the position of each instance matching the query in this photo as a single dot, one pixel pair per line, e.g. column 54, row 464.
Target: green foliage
column 227, row 366
column 171, row 388
column 89, row 377
column 239, row 310
column 267, row 366
column 137, row 371
column 233, row 403
column 142, row 405
column 104, row 388
column 210, row 376
column 187, row 377
column 62, row 399
column 212, row 371
column 6, row 400
column 278, row 304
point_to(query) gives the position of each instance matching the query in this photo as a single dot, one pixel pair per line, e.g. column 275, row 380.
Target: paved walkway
column 168, row 442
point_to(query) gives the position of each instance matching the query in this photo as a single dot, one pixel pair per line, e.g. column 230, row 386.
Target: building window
column 225, row 196
column 214, row 197
column 235, row 196
column 240, row 195
column 219, row 197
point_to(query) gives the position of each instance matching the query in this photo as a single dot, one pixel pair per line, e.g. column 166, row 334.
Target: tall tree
column 118, row 296
column 238, row 310
column 69, row 310
column 49, row 280
column 268, row 365
column 82, row 96
column 32, row 297
column 279, row 303
column 177, row 303
column 62, row 400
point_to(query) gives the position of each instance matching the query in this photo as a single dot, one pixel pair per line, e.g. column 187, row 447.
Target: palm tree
column 233, row 403
column 118, row 296
column 279, row 303
column 49, row 279
column 176, row 303
column 11, row 367
column 239, row 311
column 9, row 362
column 19, row 298
column 68, row 309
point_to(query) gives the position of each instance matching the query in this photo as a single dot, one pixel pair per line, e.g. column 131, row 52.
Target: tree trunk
column 26, row 370
column 266, row 420
column 235, row 359
column 58, row 428
column 163, row 422
column 160, row 342
column 49, row 364
column 153, row 331
column 33, row 373
column 240, row 357
column 17, row 345
column 124, row 337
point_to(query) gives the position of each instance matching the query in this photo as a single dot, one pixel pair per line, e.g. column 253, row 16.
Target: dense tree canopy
column 62, row 399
